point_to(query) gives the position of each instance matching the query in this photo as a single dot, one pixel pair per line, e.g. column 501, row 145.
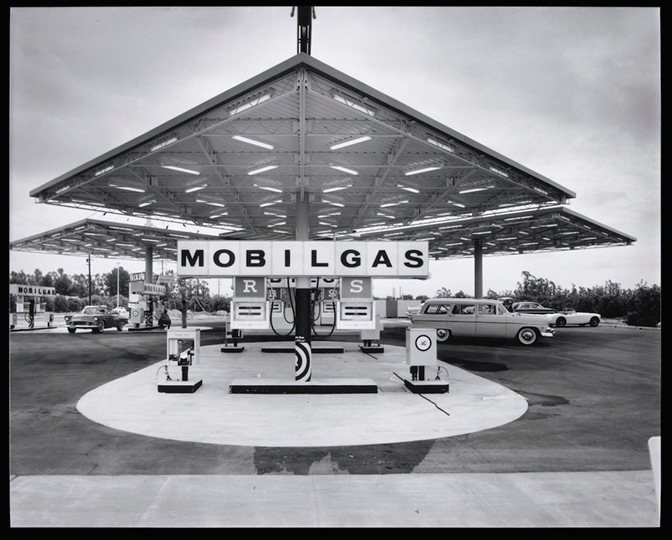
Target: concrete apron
column 213, row 415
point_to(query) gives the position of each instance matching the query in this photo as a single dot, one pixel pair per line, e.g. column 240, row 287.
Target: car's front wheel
column 560, row 321
column 100, row 327
column 442, row 334
column 120, row 327
column 594, row 321
column 72, row 330
column 527, row 336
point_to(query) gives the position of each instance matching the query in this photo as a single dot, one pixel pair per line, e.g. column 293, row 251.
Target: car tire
column 120, row 328
column 560, row 321
column 594, row 321
column 100, row 327
column 442, row 334
column 72, row 330
column 527, row 336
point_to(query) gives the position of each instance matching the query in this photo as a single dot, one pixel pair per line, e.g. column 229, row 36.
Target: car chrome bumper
column 547, row 333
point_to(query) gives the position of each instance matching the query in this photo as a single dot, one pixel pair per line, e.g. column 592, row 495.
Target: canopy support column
column 149, row 260
column 478, row 269
column 302, row 348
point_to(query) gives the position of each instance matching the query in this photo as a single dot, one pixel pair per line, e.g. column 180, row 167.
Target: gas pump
column 356, row 309
column 144, row 303
column 368, row 338
column 183, row 350
column 421, row 356
column 328, row 292
column 281, row 301
column 231, row 337
column 249, row 307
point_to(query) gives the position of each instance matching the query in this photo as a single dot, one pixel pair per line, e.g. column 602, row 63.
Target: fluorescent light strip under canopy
column 252, row 141
column 262, row 169
column 343, row 169
column 335, row 188
column 419, row 171
column 350, row 142
column 250, row 104
column 180, row 169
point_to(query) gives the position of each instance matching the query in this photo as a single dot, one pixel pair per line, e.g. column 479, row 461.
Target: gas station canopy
column 524, row 231
column 108, row 240
column 239, row 162
column 368, row 166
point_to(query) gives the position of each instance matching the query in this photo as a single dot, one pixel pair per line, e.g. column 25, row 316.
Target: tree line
column 639, row 306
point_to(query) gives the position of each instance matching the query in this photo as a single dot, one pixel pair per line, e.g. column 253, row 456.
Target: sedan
column 95, row 318
column 532, row 308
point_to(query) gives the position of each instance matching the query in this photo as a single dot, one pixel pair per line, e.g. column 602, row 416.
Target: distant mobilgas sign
column 31, row 290
column 295, row 258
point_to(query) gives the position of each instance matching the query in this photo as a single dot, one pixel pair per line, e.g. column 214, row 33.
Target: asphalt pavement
column 553, row 435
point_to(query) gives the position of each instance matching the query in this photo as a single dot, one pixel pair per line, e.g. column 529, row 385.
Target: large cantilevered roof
column 523, row 231
column 106, row 239
column 201, row 167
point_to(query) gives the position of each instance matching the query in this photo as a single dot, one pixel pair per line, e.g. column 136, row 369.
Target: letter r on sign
column 249, row 285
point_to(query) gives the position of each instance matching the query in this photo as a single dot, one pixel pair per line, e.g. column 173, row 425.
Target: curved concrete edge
column 212, row 415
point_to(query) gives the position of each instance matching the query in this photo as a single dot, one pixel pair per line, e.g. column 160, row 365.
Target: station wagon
column 468, row 317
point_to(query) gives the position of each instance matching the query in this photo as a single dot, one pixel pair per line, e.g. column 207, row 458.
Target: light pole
column 117, row 284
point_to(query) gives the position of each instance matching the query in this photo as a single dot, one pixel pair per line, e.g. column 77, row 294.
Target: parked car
column 467, row 317
column 507, row 302
column 96, row 318
column 531, row 307
column 413, row 310
column 120, row 311
column 572, row 317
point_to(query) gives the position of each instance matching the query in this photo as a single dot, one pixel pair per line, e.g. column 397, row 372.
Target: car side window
column 464, row 309
column 437, row 309
column 487, row 309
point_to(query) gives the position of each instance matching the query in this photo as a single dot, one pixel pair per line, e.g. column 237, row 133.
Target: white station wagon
column 468, row 317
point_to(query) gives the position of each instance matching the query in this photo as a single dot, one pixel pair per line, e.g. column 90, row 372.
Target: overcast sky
column 571, row 93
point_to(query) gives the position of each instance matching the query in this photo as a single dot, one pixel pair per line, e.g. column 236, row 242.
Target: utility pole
column 117, row 284
column 88, row 260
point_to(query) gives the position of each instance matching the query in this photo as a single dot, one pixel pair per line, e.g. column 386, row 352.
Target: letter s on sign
column 356, row 286
column 413, row 258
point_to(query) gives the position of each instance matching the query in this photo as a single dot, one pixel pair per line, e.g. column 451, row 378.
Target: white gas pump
column 232, row 337
column 356, row 309
column 421, row 356
column 249, row 307
column 368, row 338
column 183, row 350
column 328, row 298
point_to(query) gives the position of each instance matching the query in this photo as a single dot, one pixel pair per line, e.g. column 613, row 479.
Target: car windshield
column 93, row 310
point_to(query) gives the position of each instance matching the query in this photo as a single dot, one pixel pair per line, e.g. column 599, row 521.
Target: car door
column 491, row 321
column 462, row 320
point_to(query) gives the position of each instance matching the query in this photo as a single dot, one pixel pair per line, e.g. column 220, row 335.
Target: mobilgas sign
column 224, row 258
column 31, row 290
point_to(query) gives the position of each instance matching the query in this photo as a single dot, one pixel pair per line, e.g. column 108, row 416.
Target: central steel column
column 478, row 269
column 302, row 350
